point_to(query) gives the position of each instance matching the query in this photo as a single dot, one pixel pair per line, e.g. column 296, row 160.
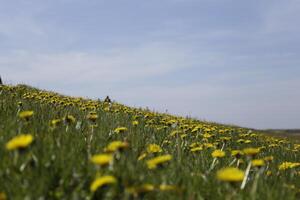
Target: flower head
column 135, row 123
column 165, row 187
column 115, row 146
column 102, row 159
column 120, row 130
column 258, row 162
column 230, row 174
column 153, row 148
column 237, row 153
column 218, row 153
column 139, row 190
column 195, row 149
column 55, row 122
column 155, row 162
column 26, row 114
column 102, row 181
column 70, row 119
column 92, row 117
column 251, row 151
column 288, row 165
column 19, row 142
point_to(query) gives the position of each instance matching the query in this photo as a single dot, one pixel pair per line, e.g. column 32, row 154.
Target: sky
column 228, row 61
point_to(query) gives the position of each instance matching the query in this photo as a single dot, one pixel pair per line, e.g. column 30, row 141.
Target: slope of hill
column 59, row 147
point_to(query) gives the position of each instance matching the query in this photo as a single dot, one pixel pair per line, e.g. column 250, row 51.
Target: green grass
column 57, row 164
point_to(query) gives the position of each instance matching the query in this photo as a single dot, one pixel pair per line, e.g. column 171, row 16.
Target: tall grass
column 57, row 164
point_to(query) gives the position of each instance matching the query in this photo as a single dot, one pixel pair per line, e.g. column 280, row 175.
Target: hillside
column 60, row 147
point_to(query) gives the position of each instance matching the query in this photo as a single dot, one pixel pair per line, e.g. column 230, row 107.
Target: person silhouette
column 107, row 99
column 1, row 81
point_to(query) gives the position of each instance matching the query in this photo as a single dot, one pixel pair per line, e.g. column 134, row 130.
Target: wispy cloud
column 115, row 65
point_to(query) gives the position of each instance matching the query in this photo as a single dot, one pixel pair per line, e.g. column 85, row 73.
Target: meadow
column 59, row 147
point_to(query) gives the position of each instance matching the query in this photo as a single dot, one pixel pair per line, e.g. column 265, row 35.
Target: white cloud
column 110, row 66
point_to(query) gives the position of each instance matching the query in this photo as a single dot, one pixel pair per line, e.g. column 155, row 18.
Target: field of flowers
column 59, row 147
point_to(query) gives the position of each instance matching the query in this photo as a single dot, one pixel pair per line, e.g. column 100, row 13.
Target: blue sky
column 228, row 61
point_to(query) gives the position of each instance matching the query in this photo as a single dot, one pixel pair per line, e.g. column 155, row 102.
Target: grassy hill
column 59, row 147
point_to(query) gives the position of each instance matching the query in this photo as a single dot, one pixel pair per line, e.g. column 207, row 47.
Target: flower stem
column 246, row 176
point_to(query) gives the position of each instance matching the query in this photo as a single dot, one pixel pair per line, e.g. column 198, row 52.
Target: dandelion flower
column 139, row 190
column 92, row 117
column 115, row 146
column 258, row 162
column 288, row 165
column 102, row 181
column 70, row 119
column 153, row 148
column 230, row 174
column 135, row 123
column 195, row 149
column 218, row 153
column 236, row 153
column 102, row 159
column 120, row 130
column 251, row 151
column 55, row 122
column 155, row 162
column 19, row 142
column 268, row 158
column 165, row 187
column 26, row 114
column 146, row 188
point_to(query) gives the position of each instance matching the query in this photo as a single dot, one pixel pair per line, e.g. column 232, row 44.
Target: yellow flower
column 241, row 141
column 230, row 174
column 195, row 149
column 102, row 159
column 115, row 146
column 55, row 122
column 165, row 187
column 248, row 141
column 120, row 130
column 19, row 142
column 288, row 165
column 26, row 114
column 207, row 135
column 102, row 181
column 135, row 123
column 251, row 151
column 70, row 119
column 208, row 145
column 218, row 153
column 153, row 148
column 258, row 162
column 194, row 144
column 236, row 153
column 144, row 188
column 268, row 158
column 92, row 117
column 153, row 163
